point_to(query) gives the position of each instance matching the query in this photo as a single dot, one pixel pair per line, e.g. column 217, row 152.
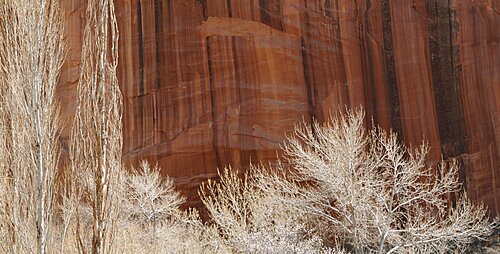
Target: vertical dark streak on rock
column 463, row 160
column 345, row 86
column 311, row 91
column 390, row 68
column 140, row 98
column 229, row 9
column 267, row 9
column 158, row 33
column 456, row 74
column 264, row 15
column 348, row 103
column 328, row 8
column 237, row 86
column 212, row 102
column 308, row 77
column 365, row 49
column 158, row 13
column 280, row 16
column 202, row 4
column 236, row 71
column 465, row 169
column 447, row 97
column 369, row 79
column 140, row 46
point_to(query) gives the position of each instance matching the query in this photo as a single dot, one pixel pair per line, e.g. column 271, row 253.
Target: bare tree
column 356, row 190
column 149, row 199
column 376, row 194
column 97, row 132
column 32, row 52
column 152, row 220
column 251, row 220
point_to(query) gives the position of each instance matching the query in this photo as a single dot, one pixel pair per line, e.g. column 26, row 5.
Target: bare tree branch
column 32, row 51
column 97, row 132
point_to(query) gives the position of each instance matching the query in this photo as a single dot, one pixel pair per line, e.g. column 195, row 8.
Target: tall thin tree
column 97, row 133
column 32, row 51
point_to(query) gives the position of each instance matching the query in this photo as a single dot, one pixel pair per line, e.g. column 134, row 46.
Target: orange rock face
column 208, row 83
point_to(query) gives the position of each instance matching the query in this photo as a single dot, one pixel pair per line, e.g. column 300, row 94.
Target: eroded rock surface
column 208, row 83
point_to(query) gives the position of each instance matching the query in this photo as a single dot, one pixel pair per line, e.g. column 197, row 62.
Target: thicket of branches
column 343, row 188
column 339, row 189
column 31, row 56
column 96, row 140
column 374, row 194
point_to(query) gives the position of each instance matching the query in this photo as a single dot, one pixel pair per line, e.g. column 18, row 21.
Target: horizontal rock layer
column 208, row 83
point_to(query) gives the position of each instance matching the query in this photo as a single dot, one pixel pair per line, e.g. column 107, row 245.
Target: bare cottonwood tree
column 153, row 221
column 149, row 198
column 253, row 220
column 375, row 194
column 32, row 52
column 97, row 132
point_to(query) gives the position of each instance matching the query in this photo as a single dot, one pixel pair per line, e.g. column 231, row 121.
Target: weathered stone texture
column 209, row 83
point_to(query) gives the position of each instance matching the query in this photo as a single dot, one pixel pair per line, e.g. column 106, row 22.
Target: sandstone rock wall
column 214, row 82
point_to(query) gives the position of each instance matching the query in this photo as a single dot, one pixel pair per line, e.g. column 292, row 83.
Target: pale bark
column 97, row 133
column 32, row 51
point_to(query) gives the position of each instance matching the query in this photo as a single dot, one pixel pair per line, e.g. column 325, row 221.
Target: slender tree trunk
column 97, row 137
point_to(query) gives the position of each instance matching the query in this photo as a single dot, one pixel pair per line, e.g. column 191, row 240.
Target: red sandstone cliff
column 208, row 83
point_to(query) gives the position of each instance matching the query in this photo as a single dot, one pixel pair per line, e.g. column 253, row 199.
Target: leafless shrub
column 149, row 203
column 149, row 198
column 344, row 187
column 152, row 221
column 376, row 194
column 252, row 221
